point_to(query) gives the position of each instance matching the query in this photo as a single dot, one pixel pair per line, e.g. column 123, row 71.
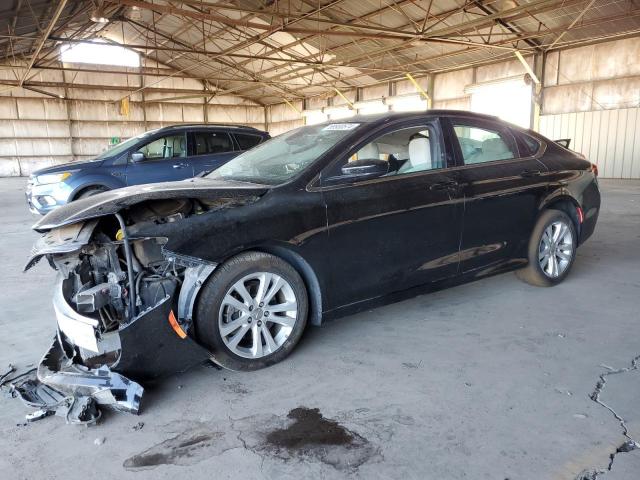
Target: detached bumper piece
column 83, row 371
column 73, row 391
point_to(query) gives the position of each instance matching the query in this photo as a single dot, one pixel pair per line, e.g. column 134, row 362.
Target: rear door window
column 208, row 143
column 247, row 141
column 481, row 145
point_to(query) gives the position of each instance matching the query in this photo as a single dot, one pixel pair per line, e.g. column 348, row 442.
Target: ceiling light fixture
column 98, row 15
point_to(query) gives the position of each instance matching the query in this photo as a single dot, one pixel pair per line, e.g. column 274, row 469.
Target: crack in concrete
column 630, row 444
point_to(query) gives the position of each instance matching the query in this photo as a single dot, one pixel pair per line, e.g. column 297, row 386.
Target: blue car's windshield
column 279, row 159
column 122, row 147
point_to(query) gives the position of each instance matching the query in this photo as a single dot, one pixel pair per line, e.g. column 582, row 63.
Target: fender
column 559, row 194
column 306, row 271
column 582, row 192
column 96, row 180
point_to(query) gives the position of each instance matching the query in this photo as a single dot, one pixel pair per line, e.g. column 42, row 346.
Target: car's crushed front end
column 123, row 302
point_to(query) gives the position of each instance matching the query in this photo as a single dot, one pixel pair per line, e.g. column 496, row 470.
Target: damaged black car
column 315, row 223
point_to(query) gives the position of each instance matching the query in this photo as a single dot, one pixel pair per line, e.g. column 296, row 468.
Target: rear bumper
column 589, row 225
column 591, row 209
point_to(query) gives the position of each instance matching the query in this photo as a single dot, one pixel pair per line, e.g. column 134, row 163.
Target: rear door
column 502, row 183
column 396, row 231
column 165, row 160
column 210, row 149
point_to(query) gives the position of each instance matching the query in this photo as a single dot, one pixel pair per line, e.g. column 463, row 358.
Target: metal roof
column 268, row 51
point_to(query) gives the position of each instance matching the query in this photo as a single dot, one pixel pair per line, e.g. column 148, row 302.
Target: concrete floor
column 490, row 380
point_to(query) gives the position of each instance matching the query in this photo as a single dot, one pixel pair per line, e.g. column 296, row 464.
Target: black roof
column 210, row 125
column 398, row 115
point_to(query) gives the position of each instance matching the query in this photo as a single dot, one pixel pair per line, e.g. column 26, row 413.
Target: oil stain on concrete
column 309, row 434
column 183, row 449
column 304, row 434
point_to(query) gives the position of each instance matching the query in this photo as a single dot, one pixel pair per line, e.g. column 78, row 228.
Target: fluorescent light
column 369, row 108
column 509, row 99
column 338, row 113
column 407, row 103
column 314, row 116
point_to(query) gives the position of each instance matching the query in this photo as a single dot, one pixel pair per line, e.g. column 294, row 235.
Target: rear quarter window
column 247, row 141
column 527, row 146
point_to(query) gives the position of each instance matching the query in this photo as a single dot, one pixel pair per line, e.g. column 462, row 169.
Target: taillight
column 594, row 169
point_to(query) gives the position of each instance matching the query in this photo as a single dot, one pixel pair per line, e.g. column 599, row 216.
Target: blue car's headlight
column 49, row 178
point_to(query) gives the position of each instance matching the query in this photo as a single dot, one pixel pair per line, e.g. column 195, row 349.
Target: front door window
column 407, row 150
column 171, row 146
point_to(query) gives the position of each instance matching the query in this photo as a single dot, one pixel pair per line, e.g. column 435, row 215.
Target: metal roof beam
column 284, row 26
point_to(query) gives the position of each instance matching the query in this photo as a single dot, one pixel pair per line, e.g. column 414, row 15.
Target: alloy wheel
column 556, row 249
column 257, row 315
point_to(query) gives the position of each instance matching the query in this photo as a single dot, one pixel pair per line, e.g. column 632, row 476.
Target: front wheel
column 90, row 192
column 252, row 311
column 552, row 250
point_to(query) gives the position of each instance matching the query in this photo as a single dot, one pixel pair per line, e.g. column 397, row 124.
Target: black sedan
column 320, row 221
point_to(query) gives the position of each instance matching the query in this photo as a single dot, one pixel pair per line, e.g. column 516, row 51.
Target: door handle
column 530, row 173
column 180, row 165
column 444, row 185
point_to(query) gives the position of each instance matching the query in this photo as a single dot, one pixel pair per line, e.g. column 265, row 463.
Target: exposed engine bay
column 124, row 307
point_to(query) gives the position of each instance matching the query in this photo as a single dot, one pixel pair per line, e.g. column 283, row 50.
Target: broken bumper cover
column 82, row 364
column 74, row 391
column 62, row 384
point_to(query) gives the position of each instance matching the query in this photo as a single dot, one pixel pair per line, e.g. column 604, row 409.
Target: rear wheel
column 252, row 311
column 552, row 250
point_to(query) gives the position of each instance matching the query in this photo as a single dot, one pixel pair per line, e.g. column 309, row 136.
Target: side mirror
column 137, row 157
column 363, row 170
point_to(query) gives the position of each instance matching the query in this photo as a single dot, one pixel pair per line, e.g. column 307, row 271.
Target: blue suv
column 166, row 154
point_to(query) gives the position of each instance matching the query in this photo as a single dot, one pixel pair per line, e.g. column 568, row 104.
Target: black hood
column 113, row 201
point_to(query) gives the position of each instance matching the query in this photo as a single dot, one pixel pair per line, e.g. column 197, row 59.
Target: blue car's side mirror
column 137, row 157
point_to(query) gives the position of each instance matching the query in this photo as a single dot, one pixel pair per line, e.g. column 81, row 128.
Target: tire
column 540, row 270
column 225, row 310
column 90, row 192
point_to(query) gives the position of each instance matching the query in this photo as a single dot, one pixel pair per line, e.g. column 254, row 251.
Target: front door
column 502, row 185
column 399, row 230
column 165, row 160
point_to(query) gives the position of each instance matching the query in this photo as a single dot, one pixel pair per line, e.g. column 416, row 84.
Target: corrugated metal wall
column 37, row 130
column 609, row 138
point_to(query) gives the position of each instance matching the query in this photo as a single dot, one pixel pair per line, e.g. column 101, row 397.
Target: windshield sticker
column 341, row 126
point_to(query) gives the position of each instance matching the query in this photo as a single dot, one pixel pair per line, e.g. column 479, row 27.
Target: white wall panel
column 7, row 147
column 8, row 108
column 609, row 138
column 30, row 108
column 281, row 127
column 193, row 113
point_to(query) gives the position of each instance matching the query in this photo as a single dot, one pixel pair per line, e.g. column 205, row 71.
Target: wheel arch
column 562, row 200
column 83, row 188
column 305, row 270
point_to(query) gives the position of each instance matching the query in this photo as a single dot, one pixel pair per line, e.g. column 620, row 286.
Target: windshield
column 279, row 159
column 121, row 147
